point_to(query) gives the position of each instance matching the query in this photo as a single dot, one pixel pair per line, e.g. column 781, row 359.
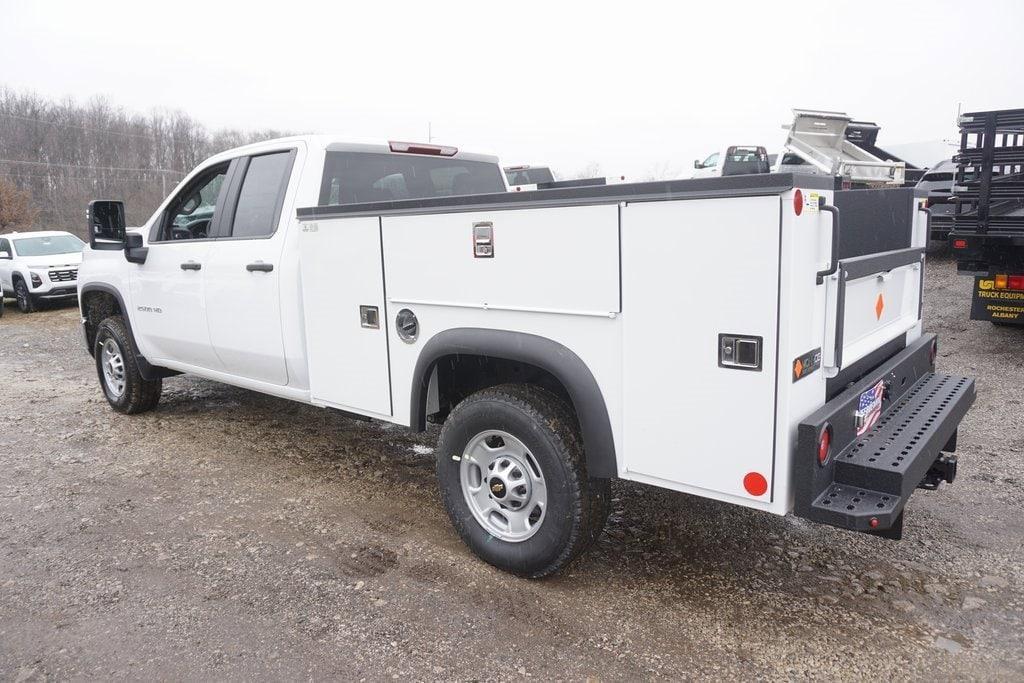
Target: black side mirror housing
column 697, row 164
column 106, row 224
column 134, row 252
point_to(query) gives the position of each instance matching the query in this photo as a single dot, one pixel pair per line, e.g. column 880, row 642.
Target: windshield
column 49, row 245
column 356, row 177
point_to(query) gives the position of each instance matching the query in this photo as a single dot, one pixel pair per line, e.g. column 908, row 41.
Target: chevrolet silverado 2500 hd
column 754, row 339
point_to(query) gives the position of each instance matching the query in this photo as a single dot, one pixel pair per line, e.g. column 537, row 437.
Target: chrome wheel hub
column 503, row 486
column 112, row 364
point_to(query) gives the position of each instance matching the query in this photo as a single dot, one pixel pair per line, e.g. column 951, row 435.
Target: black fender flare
column 148, row 371
column 544, row 353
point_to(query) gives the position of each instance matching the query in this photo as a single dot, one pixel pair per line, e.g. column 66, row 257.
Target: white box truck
column 754, row 339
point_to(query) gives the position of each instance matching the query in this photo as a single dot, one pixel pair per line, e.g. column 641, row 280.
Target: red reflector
column 959, row 244
column 418, row 148
column 1015, row 282
column 798, row 202
column 755, row 483
column 824, row 444
column 874, row 522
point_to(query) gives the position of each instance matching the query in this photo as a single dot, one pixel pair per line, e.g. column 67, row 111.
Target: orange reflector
column 879, row 307
column 1002, row 281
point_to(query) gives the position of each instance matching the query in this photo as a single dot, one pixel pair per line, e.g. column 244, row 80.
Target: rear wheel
column 122, row 383
column 26, row 303
column 513, row 479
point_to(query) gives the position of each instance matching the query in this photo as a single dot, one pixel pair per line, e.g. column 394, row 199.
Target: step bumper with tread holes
column 866, row 480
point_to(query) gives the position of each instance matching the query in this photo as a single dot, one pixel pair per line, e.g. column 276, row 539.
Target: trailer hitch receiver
column 942, row 470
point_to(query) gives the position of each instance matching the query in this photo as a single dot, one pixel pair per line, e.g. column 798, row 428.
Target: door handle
column 191, row 265
column 260, row 266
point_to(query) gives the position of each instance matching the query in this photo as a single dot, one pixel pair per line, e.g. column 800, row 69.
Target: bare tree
column 591, row 170
column 16, row 209
column 66, row 153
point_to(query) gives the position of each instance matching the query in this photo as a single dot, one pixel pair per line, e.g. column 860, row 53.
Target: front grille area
column 69, row 275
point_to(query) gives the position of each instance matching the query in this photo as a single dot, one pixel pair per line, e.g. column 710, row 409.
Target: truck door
column 169, row 318
column 243, row 269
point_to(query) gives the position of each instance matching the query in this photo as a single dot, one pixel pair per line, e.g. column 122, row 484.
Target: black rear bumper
column 865, row 482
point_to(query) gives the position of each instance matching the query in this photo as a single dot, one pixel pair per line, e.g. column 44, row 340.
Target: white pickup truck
column 721, row 337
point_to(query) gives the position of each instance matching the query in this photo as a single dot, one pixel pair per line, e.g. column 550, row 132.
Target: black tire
column 577, row 505
column 26, row 302
column 138, row 394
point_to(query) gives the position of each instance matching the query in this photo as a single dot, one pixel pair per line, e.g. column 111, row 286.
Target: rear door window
column 261, row 197
column 358, row 177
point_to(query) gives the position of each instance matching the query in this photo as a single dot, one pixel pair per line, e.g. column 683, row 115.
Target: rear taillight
column 418, row 148
column 798, row 202
column 824, row 444
column 1002, row 281
column 959, row 244
column 1015, row 282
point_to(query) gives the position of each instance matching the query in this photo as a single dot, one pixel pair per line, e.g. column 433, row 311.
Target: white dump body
column 819, row 137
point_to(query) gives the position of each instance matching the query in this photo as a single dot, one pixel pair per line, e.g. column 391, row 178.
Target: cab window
column 189, row 216
column 711, row 161
column 262, row 195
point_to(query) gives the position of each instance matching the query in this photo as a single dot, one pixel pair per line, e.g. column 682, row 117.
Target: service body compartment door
column 691, row 272
column 343, row 305
column 872, row 300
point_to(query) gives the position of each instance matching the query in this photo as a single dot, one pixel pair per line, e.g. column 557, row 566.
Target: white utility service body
column 694, row 325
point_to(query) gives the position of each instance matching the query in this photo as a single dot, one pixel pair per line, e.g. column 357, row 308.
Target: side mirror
column 697, row 164
column 134, row 252
column 106, row 224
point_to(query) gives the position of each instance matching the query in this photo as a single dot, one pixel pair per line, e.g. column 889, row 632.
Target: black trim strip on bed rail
column 697, row 188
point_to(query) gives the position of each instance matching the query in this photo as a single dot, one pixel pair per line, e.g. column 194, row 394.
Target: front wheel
column 513, row 480
column 26, row 304
column 123, row 385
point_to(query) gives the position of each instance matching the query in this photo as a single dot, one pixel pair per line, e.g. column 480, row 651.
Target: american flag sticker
column 869, row 408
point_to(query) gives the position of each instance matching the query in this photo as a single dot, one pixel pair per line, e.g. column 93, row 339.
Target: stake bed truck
column 754, row 339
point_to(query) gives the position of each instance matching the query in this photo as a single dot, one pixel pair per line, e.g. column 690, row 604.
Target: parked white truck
column 722, row 337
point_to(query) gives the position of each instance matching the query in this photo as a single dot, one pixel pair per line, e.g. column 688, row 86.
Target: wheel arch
column 534, row 351
column 99, row 301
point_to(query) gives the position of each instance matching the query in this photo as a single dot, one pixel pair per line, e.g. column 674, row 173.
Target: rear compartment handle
column 834, row 258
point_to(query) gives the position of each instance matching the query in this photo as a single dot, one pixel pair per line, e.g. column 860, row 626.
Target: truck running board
column 865, row 483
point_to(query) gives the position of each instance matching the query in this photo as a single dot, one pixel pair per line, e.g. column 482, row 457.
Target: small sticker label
column 812, row 201
column 806, row 364
column 869, row 408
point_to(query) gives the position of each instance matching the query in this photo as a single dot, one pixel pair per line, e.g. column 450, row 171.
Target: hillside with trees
column 55, row 156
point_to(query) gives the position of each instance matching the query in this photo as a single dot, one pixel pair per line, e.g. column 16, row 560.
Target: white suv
column 39, row 266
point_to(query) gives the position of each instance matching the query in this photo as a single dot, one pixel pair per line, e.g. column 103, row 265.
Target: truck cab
column 734, row 160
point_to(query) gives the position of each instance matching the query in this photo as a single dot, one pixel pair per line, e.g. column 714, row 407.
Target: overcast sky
column 638, row 88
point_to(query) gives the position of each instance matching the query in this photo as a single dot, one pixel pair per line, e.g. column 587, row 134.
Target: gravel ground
column 230, row 535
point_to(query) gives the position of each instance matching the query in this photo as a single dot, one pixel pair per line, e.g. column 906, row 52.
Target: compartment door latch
column 739, row 352
column 483, row 240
